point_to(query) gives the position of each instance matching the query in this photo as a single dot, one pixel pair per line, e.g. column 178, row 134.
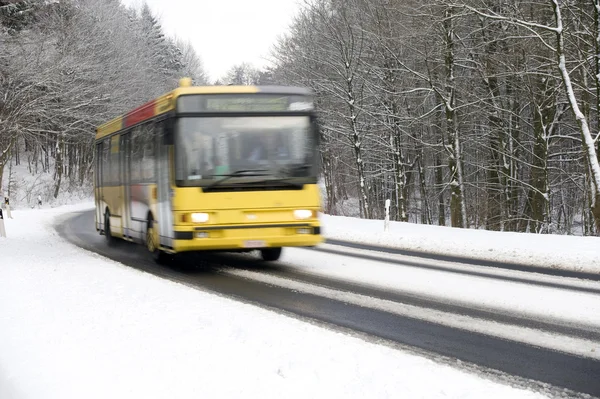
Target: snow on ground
column 23, row 187
column 544, row 250
column 74, row 325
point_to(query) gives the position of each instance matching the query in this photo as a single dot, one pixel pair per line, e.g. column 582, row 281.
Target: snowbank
column 543, row 250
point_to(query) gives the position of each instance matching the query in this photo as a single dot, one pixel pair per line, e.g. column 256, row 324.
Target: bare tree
column 67, row 67
column 242, row 74
column 192, row 65
column 469, row 99
column 559, row 49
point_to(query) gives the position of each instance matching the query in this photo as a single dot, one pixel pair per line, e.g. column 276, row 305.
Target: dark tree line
column 480, row 114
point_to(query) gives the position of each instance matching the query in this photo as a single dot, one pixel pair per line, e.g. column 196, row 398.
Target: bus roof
column 166, row 103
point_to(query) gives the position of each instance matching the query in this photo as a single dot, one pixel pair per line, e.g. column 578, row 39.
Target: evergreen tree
column 164, row 54
column 66, row 67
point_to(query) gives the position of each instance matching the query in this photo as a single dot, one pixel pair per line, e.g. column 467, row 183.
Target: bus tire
column 110, row 240
column 159, row 256
column 270, row 254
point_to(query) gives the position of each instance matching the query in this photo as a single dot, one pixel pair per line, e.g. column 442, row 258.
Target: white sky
column 225, row 32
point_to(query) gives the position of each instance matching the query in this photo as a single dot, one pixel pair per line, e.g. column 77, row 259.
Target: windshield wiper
column 283, row 180
column 237, row 173
column 290, row 170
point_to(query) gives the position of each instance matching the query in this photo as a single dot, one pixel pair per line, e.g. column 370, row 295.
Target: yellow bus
column 230, row 168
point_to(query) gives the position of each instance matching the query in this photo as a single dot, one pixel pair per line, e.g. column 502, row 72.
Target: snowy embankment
column 27, row 185
column 543, row 250
column 77, row 325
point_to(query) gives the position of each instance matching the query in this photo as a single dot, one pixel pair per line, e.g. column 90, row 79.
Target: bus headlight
column 199, row 217
column 303, row 214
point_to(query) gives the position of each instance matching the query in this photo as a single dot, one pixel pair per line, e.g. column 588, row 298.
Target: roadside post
column 2, row 229
column 386, row 223
column 7, row 208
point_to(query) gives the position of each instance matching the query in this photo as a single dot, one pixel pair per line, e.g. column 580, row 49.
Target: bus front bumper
column 246, row 237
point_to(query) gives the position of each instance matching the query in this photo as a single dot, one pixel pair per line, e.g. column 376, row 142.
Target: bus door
column 99, row 182
column 126, row 184
column 165, row 214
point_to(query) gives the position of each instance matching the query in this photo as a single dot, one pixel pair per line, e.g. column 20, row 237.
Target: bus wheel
column 152, row 244
column 110, row 240
column 270, row 254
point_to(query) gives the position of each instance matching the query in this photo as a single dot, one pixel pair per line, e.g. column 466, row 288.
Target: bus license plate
column 255, row 244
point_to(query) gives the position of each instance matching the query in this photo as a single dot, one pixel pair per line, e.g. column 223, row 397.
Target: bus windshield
column 210, row 148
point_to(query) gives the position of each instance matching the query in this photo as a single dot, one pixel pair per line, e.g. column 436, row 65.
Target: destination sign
column 247, row 104
column 243, row 103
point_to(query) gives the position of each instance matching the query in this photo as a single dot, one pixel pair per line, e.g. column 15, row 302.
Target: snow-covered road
column 555, row 300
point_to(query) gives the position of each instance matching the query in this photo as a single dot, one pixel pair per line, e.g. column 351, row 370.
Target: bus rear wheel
column 270, row 254
column 159, row 256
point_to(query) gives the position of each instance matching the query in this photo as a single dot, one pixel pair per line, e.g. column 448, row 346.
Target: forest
column 474, row 114
column 68, row 66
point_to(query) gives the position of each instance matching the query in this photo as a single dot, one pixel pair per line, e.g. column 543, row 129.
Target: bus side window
column 105, row 166
column 136, row 156
column 98, row 176
column 148, row 159
column 115, row 179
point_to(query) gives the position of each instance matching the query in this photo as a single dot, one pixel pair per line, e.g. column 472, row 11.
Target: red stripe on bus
column 140, row 114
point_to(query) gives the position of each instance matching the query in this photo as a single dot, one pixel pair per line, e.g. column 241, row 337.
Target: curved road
column 333, row 302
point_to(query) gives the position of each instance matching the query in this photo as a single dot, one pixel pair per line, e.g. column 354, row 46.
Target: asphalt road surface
column 558, row 373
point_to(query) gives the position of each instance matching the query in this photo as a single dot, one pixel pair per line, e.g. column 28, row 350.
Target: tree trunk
column 514, row 148
column 365, row 207
column 17, row 153
column 4, row 158
column 399, row 177
column 496, row 177
column 439, row 183
column 458, row 212
column 494, row 189
column 539, row 174
column 326, row 160
column 58, row 171
column 425, row 208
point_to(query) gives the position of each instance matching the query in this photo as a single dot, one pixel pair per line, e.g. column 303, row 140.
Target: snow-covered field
column 26, row 186
column 74, row 325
